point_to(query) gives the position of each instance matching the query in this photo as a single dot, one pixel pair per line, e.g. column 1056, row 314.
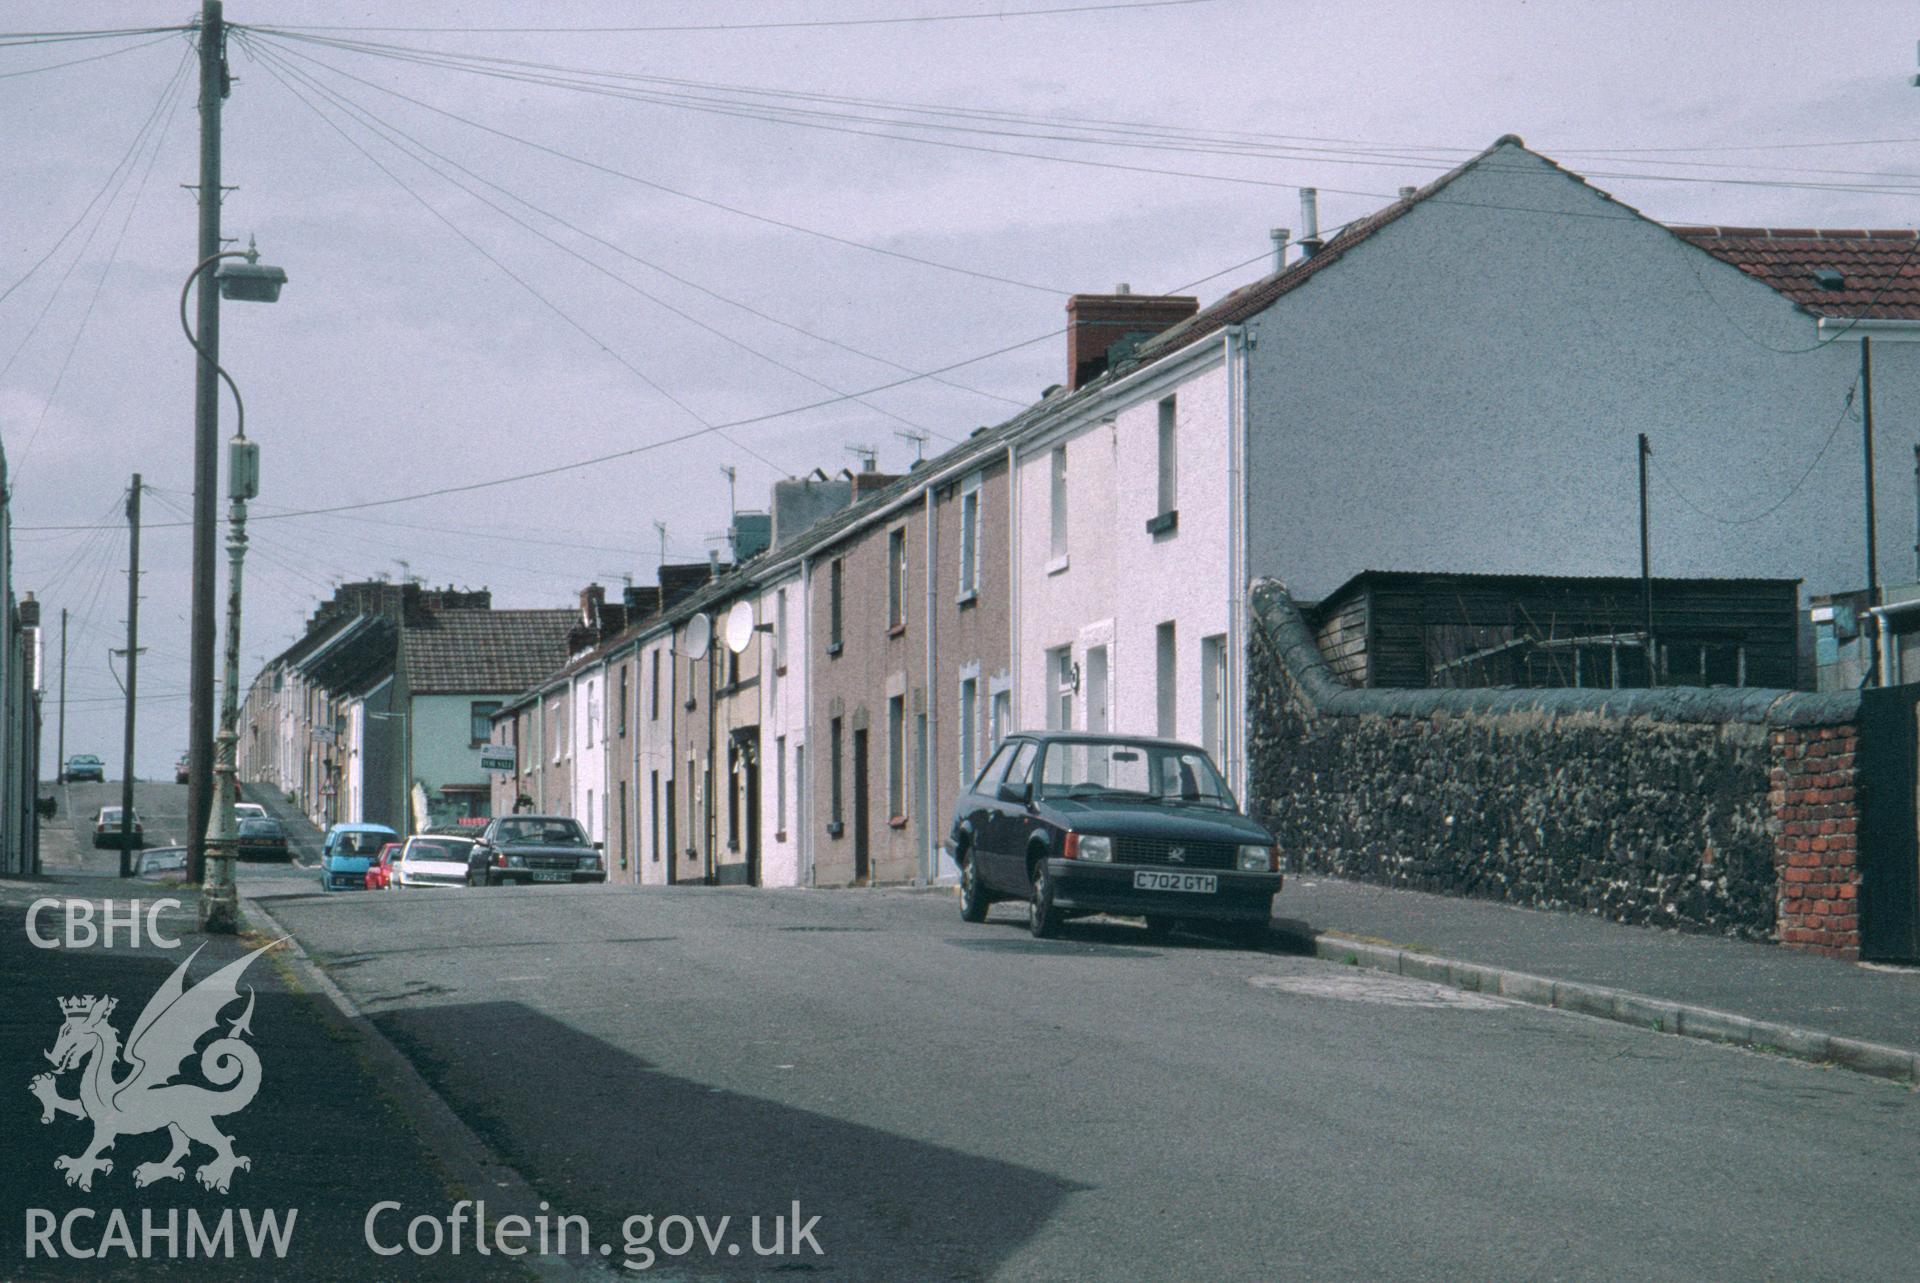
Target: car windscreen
column 450, row 850
column 261, row 828
column 1148, row 772
column 542, row 832
column 359, row 843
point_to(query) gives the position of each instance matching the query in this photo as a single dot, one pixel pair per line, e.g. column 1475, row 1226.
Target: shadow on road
column 603, row 1133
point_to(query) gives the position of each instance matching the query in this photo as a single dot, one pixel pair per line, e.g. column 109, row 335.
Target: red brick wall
column 1816, row 801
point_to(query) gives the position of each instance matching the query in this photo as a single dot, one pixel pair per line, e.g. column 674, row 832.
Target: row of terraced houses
column 1455, row 383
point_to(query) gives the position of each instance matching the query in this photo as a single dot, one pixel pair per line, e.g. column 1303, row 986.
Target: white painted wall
column 783, row 715
column 1120, row 582
column 654, row 726
column 1462, row 392
column 588, row 728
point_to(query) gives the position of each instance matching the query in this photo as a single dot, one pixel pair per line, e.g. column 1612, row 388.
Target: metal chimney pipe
column 1280, row 236
column 1309, row 221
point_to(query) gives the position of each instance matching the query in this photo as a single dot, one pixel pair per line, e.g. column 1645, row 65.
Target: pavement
column 1857, row 1016
column 328, row 1134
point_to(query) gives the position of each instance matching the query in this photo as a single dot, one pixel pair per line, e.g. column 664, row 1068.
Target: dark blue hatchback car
column 1085, row 823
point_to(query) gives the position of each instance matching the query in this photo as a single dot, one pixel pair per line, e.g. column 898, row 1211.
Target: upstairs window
column 836, row 603
column 897, row 580
column 480, row 719
column 1057, row 549
column 1169, row 438
column 970, row 539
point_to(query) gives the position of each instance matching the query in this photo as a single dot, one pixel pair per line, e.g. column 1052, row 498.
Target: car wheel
column 973, row 896
column 1160, row 926
column 1044, row 919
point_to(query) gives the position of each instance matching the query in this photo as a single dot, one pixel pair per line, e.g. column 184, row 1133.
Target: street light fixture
column 253, row 282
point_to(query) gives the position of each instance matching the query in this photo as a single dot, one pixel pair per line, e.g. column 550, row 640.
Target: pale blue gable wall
column 1462, row 393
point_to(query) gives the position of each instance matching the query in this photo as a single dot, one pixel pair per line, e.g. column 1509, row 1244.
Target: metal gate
column 1889, row 838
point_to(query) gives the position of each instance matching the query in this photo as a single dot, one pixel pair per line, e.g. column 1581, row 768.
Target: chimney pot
column 1406, row 193
column 1123, row 288
column 1309, row 221
column 1280, row 236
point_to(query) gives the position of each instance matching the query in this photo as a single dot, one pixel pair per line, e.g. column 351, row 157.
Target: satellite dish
column 699, row 636
column 740, row 626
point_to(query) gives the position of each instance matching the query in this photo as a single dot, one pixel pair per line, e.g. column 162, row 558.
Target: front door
column 862, row 855
column 923, row 801
column 751, row 782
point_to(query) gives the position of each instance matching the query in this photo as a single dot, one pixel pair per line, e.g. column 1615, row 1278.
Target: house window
column 672, row 825
column 834, row 812
column 623, row 701
column 653, row 693
column 897, row 756
column 653, row 813
column 897, row 581
column 1164, row 670
column 780, row 631
column 592, row 831
column 970, row 539
column 780, row 785
column 1213, row 696
column 1002, row 717
column 559, row 732
column 480, row 720
column 1060, row 674
column 969, row 724
column 1169, row 458
column 1058, row 548
column 593, row 714
column 623, row 828
column 836, row 603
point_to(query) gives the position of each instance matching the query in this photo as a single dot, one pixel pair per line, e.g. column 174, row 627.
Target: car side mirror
column 1013, row 793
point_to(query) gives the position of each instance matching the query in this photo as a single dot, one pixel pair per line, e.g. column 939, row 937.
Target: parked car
column 1080, row 823
column 106, row 829
column 262, row 838
column 182, row 769
column 380, row 872
column 162, row 864
column 249, row 811
column 85, row 766
column 346, row 853
column 433, row 861
column 534, row 848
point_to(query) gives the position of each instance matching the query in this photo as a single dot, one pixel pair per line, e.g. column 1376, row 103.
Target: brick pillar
column 1815, row 802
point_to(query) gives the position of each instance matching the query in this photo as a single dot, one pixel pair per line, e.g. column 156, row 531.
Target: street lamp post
column 252, row 282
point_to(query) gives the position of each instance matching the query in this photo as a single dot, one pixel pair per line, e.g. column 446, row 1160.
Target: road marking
column 1380, row 990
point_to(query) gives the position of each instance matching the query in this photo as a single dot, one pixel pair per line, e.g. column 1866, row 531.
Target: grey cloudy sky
column 401, row 359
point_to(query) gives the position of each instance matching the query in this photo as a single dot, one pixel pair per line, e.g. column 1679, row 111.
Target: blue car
column 348, row 850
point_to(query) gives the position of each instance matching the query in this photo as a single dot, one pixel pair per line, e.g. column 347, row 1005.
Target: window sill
column 896, row 821
column 1058, row 564
column 1166, row 523
column 835, row 828
column 834, row 648
column 967, row 598
column 897, row 630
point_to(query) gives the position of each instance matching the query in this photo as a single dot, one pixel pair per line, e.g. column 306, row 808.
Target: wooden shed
column 1416, row 629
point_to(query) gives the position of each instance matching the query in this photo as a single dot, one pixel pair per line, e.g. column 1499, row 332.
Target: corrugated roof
column 483, row 651
column 1878, row 272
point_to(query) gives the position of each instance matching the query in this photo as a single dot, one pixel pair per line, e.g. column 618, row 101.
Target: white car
column 250, row 811
column 432, row 861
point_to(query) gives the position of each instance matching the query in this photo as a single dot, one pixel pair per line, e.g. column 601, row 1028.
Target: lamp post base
column 219, row 902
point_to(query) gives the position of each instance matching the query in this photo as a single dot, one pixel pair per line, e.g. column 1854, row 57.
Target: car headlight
column 1098, row 850
column 516, row 861
column 1256, row 859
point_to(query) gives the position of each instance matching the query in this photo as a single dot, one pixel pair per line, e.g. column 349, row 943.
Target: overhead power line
column 789, row 25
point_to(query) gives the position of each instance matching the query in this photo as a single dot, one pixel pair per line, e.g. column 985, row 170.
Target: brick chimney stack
column 1097, row 324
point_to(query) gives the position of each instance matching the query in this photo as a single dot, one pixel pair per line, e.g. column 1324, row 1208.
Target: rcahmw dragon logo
column 146, row 1098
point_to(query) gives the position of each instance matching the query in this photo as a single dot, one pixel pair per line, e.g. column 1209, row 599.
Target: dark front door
column 1889, row 839
column 750, row 783
column 862, row 854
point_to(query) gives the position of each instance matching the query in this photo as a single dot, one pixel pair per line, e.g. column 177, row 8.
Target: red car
column 380, row 872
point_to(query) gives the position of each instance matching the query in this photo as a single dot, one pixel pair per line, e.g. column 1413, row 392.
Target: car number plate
column 551, row 875
column 1155, row 880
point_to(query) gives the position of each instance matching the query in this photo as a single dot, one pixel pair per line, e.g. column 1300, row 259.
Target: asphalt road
column 965, row 1102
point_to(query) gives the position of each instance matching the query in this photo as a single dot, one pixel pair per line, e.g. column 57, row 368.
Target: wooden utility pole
column 1646, row 566
column 206, row 446
column 133, row 676
column 1873, row 554
column 60, row 750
